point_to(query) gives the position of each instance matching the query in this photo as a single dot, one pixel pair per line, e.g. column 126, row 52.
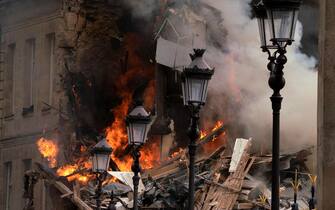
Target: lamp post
column 137, row 122
column 100, row 162
column 194, row 86
column 277, row 21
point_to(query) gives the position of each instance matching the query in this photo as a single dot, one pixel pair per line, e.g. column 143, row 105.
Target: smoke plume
column 239, row 92
column 241, row 77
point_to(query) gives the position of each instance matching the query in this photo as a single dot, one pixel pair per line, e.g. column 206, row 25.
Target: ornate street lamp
column 281, row 17
column 137, row 121
column 100, row 156
column 194, row 86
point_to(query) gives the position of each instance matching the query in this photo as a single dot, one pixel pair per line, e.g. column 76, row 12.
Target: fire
column 116, row 133
column 150, row 155
column 49, row 150
column 217, row 125
column 126, row 85
column 216, row 141
column 69, row 171
column 177, row 153
column 203, row 134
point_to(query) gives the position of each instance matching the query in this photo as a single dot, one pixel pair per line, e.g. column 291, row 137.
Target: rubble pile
column 239, row 180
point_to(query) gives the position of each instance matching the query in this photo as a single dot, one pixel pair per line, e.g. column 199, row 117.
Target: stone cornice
column 31, row 22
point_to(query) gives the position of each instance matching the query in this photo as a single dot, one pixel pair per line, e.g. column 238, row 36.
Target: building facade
column 29, row 89
column 326, row 107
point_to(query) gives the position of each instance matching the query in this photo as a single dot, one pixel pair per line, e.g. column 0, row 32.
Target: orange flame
column 217, row 141
column 217, row 125
column 49, row 150
column 69, row 170
column 116, row 134
column 203, row 134
column 177, row 153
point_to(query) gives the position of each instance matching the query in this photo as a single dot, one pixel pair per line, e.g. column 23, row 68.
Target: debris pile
column 239, row 180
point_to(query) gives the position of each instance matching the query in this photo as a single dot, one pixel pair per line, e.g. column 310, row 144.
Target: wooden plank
column 66, row 195
column 239, row 148
column 225, row 197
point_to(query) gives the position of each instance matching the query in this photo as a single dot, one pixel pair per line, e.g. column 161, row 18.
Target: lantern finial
column 197, row 53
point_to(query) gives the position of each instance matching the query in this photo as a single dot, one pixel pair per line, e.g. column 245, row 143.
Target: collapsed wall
column 106, row 61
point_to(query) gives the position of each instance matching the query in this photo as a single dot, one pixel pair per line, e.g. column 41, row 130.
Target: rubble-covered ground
column 223, row 181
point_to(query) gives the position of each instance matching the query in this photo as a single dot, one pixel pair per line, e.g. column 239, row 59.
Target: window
column 50, row 60
column 9, row 80
column 8, row 184
column 27, row 164
column 29, row 72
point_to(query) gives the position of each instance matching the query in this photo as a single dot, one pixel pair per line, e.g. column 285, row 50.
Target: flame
column 203, row 134
column 177, row 153
column 49, row 150
column 116, row 134
column 69, row 171
column 218, row 124
column 150, row 155
column 217, row 141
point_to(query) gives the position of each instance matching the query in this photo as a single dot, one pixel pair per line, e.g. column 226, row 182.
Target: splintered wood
column 221, row 193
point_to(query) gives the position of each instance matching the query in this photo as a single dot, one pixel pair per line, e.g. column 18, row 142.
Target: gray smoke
column 241, row 75
column 239, row 88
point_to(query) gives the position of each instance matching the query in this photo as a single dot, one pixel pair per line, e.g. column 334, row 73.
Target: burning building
column 72, row 70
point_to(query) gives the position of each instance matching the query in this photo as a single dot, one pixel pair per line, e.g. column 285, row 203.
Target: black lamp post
column 100, row 162
column 138, row 121
column 194, row 86
column 277, row 21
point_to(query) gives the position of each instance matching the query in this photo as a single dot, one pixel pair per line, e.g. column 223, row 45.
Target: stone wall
column 20, row 21
column 326, row 107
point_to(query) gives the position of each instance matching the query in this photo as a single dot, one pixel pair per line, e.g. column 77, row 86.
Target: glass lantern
column 138, row 121
column 282, row 16
column 101, row 156
column 195, row 79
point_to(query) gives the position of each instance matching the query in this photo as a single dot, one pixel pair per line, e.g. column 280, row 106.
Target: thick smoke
column 239, row 92
column 241, row 77
column 143, row 9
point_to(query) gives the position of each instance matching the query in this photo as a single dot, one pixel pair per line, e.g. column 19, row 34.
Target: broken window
column 8, row 184
column 29, row 72
column 9, row 80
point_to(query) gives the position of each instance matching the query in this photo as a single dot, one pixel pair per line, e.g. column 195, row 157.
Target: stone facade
column 326, row 107
column 30, row 32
